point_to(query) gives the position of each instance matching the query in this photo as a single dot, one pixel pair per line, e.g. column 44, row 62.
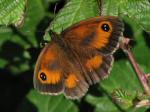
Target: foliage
column 20, row 46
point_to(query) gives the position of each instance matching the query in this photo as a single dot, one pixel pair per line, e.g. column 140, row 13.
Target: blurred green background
column 22, row 29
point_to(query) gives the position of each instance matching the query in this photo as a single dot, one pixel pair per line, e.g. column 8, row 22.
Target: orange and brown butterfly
column 78, row 57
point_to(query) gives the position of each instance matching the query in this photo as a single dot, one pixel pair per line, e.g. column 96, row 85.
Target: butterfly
column 78, row 57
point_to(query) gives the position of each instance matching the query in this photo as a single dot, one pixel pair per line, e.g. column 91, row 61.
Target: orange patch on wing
column 50, row 54
column 52, row 77
column 80, row 32
column 94, row 62
column 102, row 37
column 71, row 81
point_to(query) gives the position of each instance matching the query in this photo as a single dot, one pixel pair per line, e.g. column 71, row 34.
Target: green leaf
column 126, row 77
column 105, row 104
column 74, row 11
column 11, row 11
column 17, row 41
column 34, row 15
column 50, row 103
column 137, row 10
column 102, row 104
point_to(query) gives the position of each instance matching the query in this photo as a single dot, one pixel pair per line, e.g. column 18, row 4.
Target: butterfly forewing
column 94, row 41
column 101, row 33
column 48, row 75
column 98, row 67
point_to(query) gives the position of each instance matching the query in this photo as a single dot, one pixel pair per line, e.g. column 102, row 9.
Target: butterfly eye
column 43, row 76
column 43, row 43
column 105, row 27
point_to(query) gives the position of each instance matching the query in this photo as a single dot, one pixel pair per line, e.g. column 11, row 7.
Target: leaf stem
column 141, row 76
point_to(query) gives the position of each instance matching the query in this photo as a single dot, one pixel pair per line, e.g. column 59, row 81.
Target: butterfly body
column 78, row 57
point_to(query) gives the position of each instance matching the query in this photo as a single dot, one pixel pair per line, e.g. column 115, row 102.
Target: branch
column 141, row 76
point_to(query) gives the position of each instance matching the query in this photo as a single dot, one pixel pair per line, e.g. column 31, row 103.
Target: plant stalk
column 141, row 76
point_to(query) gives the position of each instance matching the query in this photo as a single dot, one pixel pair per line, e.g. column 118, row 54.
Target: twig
column 142, row 77
column 147, row 75
column 143, row 103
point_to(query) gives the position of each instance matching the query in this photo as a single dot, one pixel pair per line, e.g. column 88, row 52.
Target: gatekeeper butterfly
column 78, row 57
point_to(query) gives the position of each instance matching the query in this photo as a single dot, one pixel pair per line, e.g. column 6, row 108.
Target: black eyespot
column 43, row 76
column 105, row 27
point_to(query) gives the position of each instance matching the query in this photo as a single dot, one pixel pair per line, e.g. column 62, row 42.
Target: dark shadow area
column 53, row 7
column 59, row 4
column 128, row 33
column 10, row 50
column 20, row 34
column 119, row 54
column 94, row 91
column 13, row 89
column 85, row 106
column 147, row 38
column 13, row 53
column 148, row 110
column 41, row 28
column 26, row 106
column 34, row 52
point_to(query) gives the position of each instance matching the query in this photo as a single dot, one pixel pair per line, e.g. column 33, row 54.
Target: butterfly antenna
column 55, row 9
column 54, row 15
column 100, row 6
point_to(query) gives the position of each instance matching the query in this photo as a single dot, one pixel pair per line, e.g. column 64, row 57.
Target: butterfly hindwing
column 96, row 65
column 75, row 86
